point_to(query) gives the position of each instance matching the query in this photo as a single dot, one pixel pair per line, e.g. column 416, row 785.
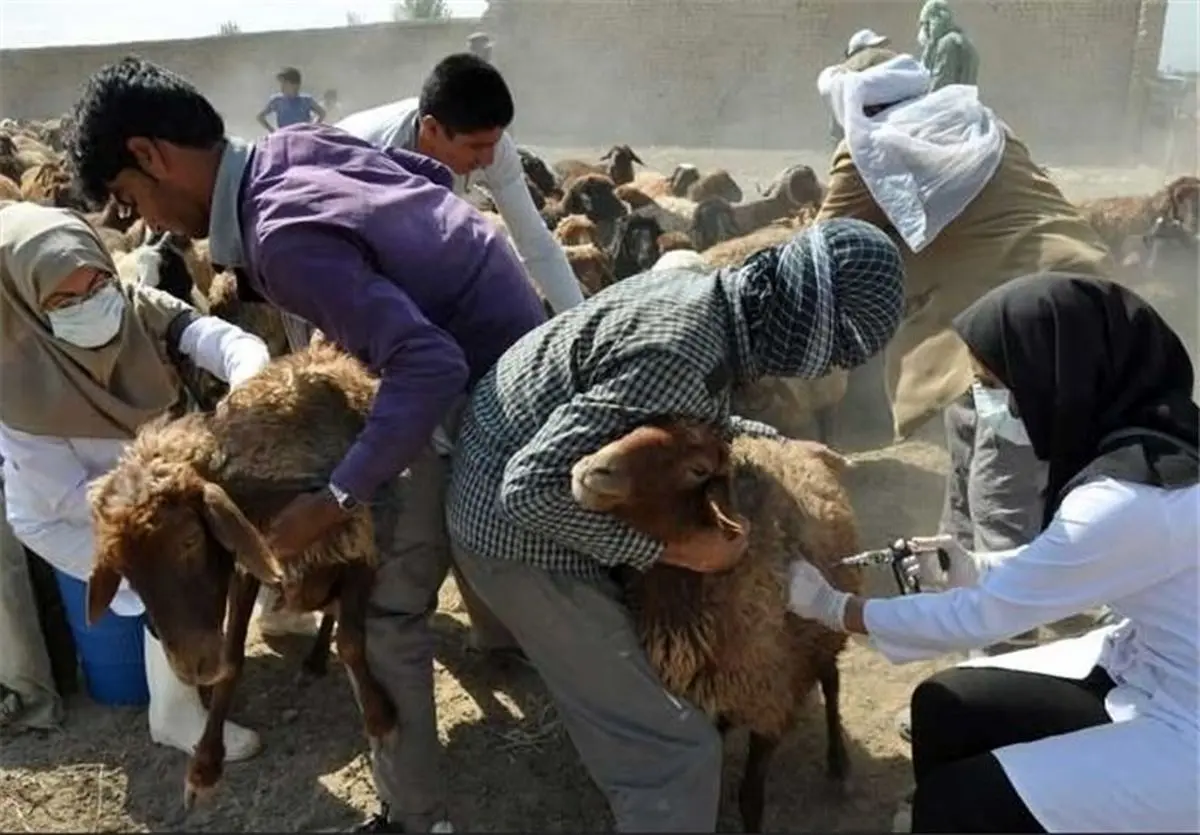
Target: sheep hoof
column 193, row 794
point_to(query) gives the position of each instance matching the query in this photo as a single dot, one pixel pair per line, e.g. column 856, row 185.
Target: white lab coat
column 1135, row 548
column 46, row 478
column 394, row 125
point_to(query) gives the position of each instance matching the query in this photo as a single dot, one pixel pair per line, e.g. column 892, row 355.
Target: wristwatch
column 344, row 500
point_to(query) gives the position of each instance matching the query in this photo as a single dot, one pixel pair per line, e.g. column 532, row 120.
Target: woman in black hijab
column 1101, row 732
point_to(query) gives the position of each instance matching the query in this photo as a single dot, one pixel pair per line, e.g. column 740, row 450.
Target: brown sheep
column 653, row 184
column 50, row 184
column 592, row 266
column 716, row 218
column 592, row 195
column 633, row 196
column 727, row 642
column 620, row 163
column 9, row 190
column 634, row 248
column 669, row 241
column 537, row 172
column 180, row 518
column 719, row 183
column 620, row 159
column 574, row 230
column 1117, row 219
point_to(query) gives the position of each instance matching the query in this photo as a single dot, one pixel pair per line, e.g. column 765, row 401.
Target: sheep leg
column 837, row 761
column 316, row 663
column 207, row 761
column 752, row 794
column 379, row 714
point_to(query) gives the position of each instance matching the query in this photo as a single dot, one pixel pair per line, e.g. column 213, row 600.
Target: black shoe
column 379, row 822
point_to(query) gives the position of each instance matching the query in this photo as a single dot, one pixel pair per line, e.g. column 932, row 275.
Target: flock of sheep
column 613, row 222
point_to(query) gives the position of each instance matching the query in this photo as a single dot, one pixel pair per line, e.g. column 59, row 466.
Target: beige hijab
column 50, row 387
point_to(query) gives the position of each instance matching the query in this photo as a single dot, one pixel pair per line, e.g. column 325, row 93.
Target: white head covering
column 864, row 38
column 925, row 158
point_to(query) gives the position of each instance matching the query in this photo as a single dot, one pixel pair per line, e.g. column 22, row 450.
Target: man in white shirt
column 460, row 119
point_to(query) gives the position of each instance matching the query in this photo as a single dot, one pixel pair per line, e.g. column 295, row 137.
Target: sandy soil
column 510, row 766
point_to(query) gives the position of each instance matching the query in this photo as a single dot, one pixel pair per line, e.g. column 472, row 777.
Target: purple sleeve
column 422, row 166
column 272, row 105
column 324, row 278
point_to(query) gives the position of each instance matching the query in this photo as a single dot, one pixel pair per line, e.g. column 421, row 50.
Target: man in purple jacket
column 373, row 248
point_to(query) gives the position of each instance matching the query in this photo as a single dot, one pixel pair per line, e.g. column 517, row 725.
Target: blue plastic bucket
column 111, row 651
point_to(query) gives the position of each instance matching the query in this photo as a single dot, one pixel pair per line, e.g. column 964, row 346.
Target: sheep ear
column 609, row 153
column 102, row 587
column 634, row 156
column 234, row 531
column 718, row 493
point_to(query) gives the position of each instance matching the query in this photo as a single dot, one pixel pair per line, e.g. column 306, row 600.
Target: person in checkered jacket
column 662, row 343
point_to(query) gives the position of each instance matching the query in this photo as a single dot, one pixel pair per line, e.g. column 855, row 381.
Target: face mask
column 992, row 407
column 93, row 322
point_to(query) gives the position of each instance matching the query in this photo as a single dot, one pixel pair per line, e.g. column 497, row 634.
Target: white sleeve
column 543, row 257
column 1107, row 541
column 47, row 508
column 223, row 349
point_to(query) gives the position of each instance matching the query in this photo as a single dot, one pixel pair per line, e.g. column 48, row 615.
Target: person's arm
column 956, row 521
column 1106, row 542
column 544, row 258
column 315, row 109
column 325, row 279
column 223, row 349
column 847, row 195
column 268, row 109
column 947, row 62
column 535, row 493
column 219, row 347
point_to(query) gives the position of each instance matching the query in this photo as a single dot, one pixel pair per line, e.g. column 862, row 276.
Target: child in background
column 289, row 105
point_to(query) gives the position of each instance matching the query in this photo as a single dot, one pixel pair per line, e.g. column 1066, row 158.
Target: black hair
column 466, row 94
column 289, row 74
column 133, row 98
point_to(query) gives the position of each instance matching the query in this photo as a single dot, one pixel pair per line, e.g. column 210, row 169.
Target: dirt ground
column 509, row 764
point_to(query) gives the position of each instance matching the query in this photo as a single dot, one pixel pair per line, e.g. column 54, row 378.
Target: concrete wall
column 366, row 64
column 1063, row 73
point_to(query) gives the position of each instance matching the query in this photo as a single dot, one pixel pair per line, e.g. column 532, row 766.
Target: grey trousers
column 414, row 560
column 994, row 489
column 656, row 758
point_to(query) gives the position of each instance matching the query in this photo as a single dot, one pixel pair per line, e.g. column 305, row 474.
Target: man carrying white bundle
column 946, row 178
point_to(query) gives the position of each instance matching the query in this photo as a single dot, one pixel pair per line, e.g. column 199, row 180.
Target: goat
column 1116, row 219
column 180, row 516
column 635, row 245
column 536, row 170
column 620, row 159
column 727, row 642
column 592, row 195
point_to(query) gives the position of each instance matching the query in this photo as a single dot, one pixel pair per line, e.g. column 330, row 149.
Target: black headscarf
column 1085, row 358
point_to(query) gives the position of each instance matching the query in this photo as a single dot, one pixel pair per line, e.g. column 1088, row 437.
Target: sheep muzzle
column 598, row 485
